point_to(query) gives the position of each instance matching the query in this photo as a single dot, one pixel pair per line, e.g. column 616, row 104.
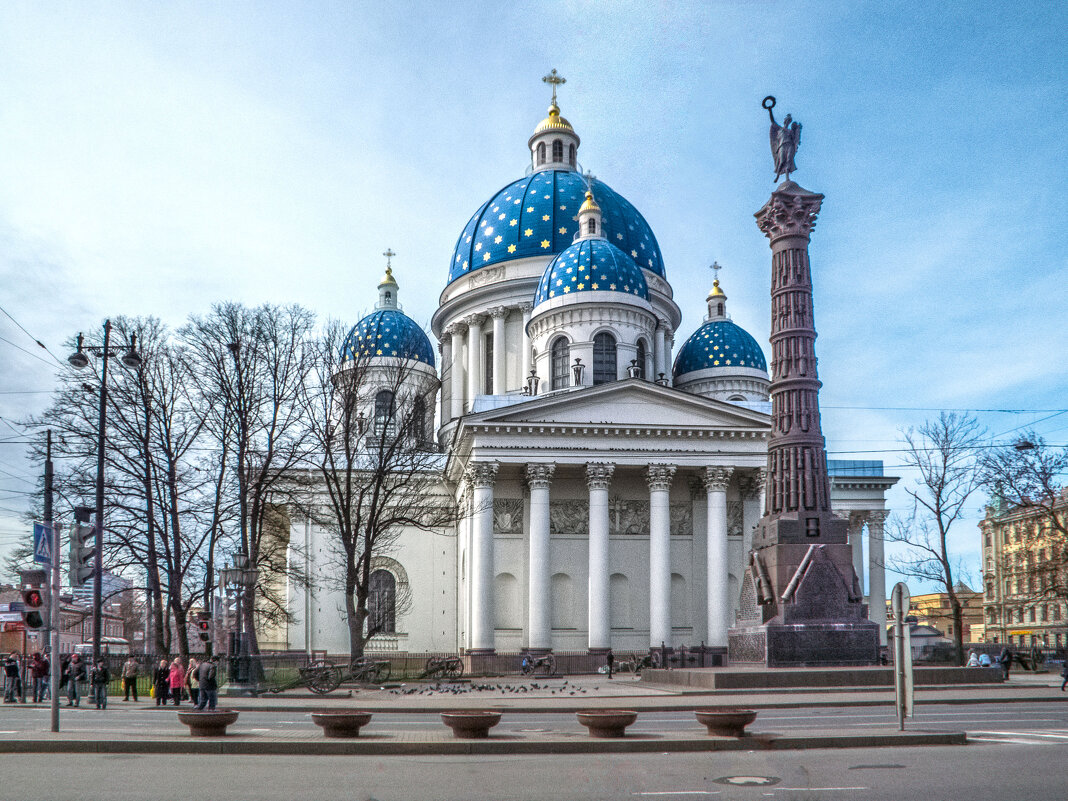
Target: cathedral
column 607, row 483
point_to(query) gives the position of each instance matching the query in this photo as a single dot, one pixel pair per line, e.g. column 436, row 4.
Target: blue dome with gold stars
column 388, row 333
column 536, row 216
column 591, row 265
column 719, row 344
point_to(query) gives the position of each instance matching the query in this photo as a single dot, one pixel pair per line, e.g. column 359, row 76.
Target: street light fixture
column 79, row 360
column 241, row 577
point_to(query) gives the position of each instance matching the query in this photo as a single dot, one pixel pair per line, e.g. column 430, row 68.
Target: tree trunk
column 958, row 628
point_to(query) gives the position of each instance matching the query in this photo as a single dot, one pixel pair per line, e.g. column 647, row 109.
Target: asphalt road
column 982, row 772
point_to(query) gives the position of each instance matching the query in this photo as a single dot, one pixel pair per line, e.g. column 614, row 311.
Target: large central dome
column 537, row 216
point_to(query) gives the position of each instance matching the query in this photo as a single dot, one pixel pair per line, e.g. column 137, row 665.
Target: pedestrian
column 973, row 659
column 99, row 680
column 610, row 661
column 1064, row 675
column 39, row 673
column 161, row 682
column 207, row 678
column 12, row 681
column 192, row 682
column 1005, row 660
column 176, row 680
column 75, row 673
column 130, row 669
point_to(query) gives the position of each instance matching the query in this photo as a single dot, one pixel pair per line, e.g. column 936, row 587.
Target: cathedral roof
column 388, row 333
column 591, row 265
column 536, row 216
column 719, row 344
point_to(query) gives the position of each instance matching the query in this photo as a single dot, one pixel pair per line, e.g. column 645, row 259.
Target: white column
column 719, row 606
column 446, row 365
column 752, row 488
column 658, row 352
column 598, row 477
column 539, row 590
column 877, row 573
column 659, row 476
column 456, row 379
column 524, row 344
column 856, row 542
column 500, row 377
column 481, row 475
column 474, row 358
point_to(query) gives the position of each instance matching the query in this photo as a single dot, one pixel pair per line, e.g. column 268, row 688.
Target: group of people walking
column 198, row 682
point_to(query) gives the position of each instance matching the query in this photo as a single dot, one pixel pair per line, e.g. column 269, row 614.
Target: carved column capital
column 791, row 211
column 498, row 311
column 473, row 320
column 539, row 476
column 659, row 476
column 717, row 478
column 481, row 474
column 751, row 484
column 599, row 474
column 459, row 328
column 876, row 519
column 526, row 308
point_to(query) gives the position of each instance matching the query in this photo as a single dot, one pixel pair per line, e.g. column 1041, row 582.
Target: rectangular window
column 488, row 351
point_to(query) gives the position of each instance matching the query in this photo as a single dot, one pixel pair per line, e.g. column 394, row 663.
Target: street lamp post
column 240, row 577
column 79, row 360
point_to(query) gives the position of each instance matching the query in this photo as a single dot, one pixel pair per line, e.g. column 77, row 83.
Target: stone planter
column 725, row 722
column 208, row 724
column 341, row 722
column 470, row 724
column 607, row 722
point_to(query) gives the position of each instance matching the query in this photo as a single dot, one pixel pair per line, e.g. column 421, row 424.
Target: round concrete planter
column 725, row 722
column 607, row 722
column 208, row 724
column 341, row 722
column 471, row 724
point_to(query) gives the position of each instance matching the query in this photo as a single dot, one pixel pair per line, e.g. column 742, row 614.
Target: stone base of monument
column 805, row 644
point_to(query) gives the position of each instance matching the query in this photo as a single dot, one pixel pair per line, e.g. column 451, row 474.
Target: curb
column 370, row 746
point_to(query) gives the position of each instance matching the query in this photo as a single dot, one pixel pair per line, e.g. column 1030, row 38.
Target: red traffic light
column 204, row 625
column 33, row 599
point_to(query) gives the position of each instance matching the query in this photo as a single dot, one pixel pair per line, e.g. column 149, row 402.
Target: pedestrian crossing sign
column 42, row 543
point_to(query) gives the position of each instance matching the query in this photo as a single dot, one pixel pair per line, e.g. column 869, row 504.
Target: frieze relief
column 508, row 516
column 625, row 518
column 569, row 518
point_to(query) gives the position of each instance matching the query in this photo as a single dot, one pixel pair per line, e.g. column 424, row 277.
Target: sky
column 158, row 158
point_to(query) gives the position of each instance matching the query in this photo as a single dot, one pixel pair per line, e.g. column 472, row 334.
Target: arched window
column 419, row 420
column 541, row 152
column 641, row 355
column 382, row 603
column 591, row 226
column 604, row 358
column 558, row 150
column 719, row 309
column 384, row 407
column 571, row 155
column 560, row 358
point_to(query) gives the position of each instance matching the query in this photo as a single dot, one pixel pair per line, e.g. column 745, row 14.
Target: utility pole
column 55, row 614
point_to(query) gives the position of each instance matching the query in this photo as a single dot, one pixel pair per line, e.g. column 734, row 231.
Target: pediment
column 627, row 404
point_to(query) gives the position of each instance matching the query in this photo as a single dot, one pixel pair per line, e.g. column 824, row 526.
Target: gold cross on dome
column 554, row 79
column 389, row 254
column 715, row 267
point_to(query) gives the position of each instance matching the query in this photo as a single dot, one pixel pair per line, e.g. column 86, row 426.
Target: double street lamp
column 79, row 360
column 241, row 577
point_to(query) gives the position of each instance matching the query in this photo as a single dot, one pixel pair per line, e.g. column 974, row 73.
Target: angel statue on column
column 785, row 139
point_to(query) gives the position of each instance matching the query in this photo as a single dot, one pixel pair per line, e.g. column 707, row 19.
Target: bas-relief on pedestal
column 801, row 601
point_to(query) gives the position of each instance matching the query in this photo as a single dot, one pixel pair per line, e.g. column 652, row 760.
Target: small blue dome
column 388, row 332
column 719, row 344
column 536, row 216
column 591, row 265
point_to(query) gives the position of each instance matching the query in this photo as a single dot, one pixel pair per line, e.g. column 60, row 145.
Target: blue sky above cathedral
column 157, row 158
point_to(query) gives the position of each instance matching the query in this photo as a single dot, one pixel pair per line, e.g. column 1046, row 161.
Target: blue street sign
column 42, row 543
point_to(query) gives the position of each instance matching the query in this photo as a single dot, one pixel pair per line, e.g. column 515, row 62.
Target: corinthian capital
column 599, row 474
column 539, row 476
column 456, row 329
column 876, row 519
column 717, row 478
column 473, row 320
column 498, row 311
column 658, row 476
column 791, row 211
column 481, row 474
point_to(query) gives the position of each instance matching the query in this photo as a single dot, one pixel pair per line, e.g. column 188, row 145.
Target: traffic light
column 204, row 626
column 82, row 552
column 34, row 608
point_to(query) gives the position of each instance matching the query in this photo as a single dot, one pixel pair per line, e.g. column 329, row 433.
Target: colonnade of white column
column 500, row 375
column 877, row 572
column 481, row 477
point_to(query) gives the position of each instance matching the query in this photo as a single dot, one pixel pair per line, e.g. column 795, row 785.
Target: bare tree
column 943, row 452
column 250, row 365
column 1027, row 478
column 379, row 470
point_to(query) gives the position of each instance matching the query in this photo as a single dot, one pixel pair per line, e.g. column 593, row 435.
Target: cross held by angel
column 785, row 139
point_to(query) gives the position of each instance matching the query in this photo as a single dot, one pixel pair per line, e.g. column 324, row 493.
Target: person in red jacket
column 176, row 680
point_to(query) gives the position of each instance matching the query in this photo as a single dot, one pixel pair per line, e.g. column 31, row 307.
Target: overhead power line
column 36, row 341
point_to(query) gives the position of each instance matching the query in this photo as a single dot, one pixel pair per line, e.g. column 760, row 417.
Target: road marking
column 816, row 789
column 679, row 792
column 1024, row 734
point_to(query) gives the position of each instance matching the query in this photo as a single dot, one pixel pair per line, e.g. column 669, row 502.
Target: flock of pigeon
column 449, row 688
